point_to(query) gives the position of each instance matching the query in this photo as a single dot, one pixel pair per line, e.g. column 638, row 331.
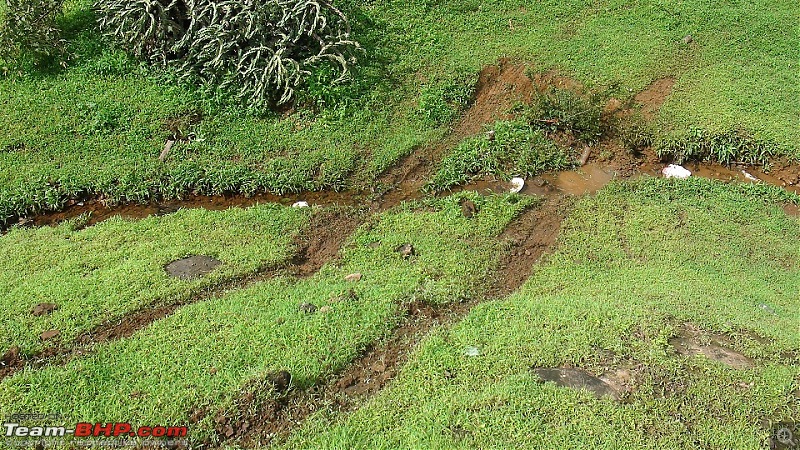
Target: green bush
column 29, row 32
column 723, row 147
column 635, row 132
column 566, row 111
column 259, row 50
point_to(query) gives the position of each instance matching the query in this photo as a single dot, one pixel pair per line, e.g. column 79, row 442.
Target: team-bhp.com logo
column 84, row 429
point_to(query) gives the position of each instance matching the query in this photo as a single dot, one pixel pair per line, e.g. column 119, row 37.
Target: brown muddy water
column 98, row 211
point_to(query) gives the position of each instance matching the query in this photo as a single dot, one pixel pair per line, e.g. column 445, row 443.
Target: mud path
column 316, row 246
column 528, row 238
column 498, row 89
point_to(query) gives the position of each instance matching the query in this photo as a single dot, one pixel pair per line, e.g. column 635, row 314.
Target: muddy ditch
column 528, row 237
column 318, row 245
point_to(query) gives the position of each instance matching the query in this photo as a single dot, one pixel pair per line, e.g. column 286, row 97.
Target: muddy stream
column 585, row 180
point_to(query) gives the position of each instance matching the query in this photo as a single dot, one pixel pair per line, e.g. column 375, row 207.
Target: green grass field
column 102, row 272
column 98, row 127
column 633, row 266
column 162, row 374
column 642, row 265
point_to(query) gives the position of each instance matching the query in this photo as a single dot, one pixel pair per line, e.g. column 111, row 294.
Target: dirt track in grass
column 526, row 239
column 318, row 245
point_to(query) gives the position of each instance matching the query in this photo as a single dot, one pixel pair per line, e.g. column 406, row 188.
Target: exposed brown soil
column 654, row 96
column 529, row 237
column 323, row 240
column 694, row 342
column 320, row 244
column 498, row 89
column 43, row 309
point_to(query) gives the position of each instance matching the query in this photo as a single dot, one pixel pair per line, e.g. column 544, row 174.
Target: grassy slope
column 104, row 271
column 99, row 126
column 633, row 265
column 240, row 335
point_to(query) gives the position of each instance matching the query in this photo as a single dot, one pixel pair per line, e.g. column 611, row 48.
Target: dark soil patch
column 192, row 267
column 10, row 360
column 693, row 342
column 577, row 379
column 531, row 235
column 321, row 243
column 528, row 237
column 654, row 96
column 49, row 334
column 499, row 88
column 323, row 240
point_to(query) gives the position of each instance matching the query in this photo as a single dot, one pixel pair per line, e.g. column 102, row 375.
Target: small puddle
column 724, row 173
column 585, row 180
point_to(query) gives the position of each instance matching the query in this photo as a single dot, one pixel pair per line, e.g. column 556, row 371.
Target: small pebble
column 353, row 277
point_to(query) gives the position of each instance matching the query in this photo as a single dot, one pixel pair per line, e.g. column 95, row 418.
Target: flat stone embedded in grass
column 472, row 351
column 690, row 345
column 577, row 379
column 192, row 267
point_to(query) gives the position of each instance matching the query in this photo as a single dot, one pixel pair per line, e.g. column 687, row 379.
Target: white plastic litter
column 517, row 184
column 300, row 205
column 749, row 177
column 472, row 351
column 676, row 171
